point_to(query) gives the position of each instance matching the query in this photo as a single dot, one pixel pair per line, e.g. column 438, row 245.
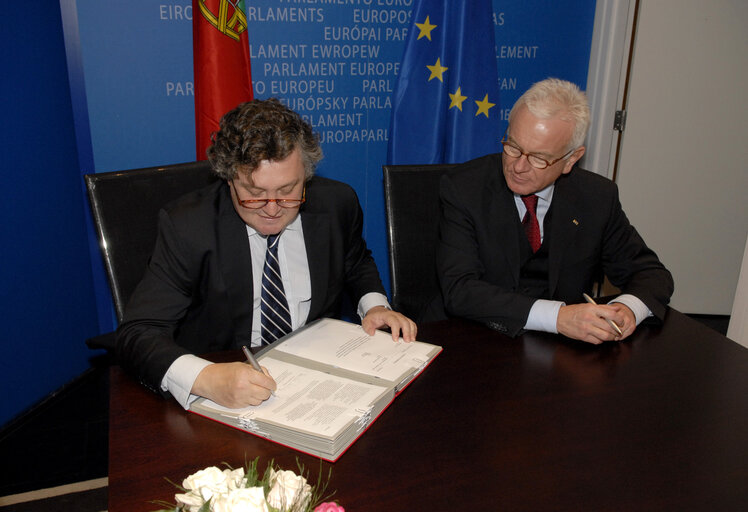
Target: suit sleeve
column 145, row 339
column 361, row 274
column 462, row 270
column 632, row 266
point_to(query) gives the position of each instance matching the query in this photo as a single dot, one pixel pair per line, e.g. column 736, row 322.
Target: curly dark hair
column 261, row 130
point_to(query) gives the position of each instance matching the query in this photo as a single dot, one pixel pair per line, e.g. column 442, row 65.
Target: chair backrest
column 411, row 194
column 125, row 206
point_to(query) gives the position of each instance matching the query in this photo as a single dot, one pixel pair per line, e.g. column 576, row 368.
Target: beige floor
column 53, row 492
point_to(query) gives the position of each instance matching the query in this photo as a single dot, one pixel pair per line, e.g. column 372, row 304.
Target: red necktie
column 530, row 222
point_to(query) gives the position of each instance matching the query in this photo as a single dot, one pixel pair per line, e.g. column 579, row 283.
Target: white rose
column 289, row 491
column 190, row 502
column 246, row 499
column 207, row 482
column 234, row 479
column 208, row 477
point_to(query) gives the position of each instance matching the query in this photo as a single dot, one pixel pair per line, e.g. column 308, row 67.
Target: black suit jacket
column 196, row 294
column 479, row 255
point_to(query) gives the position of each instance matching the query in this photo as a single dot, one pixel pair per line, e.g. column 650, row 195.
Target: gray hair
column 555, row 98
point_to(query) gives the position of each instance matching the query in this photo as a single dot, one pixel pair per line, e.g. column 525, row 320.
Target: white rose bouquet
column 231, row 490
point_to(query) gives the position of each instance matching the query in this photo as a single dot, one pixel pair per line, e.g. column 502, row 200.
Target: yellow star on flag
column 437, row 70
column 483, row 106
column 457, row 99
column 426, row 28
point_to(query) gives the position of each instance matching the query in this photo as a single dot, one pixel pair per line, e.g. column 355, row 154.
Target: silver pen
column 610, row 322
column 253, row 361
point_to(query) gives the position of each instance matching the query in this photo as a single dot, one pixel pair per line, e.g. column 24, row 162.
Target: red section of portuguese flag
column 222, row 74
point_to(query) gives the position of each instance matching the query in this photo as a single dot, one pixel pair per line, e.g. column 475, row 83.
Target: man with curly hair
column 264, row 250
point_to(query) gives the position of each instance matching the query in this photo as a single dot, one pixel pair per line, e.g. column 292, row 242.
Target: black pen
column 610, row 322
column 253, row 361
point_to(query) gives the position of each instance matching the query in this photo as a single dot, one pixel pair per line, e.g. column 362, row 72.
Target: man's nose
column 272, row 209
column 522, row 164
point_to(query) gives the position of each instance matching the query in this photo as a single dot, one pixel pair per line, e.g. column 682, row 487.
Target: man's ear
column 574, row 158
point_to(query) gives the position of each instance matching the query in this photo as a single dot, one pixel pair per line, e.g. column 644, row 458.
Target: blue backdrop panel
column 46, row 294
column 334, row 61
column 137, row 58
column 536, row 39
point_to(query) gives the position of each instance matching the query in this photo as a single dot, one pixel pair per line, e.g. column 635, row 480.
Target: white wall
column 683, row 170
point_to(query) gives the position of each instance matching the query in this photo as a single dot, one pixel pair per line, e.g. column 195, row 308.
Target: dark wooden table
column 535, row 423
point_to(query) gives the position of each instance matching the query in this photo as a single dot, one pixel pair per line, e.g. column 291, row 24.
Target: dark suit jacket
column 479, row 255
column 196, row 294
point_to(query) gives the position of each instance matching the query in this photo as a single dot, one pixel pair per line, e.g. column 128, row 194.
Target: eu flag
column 445, row 107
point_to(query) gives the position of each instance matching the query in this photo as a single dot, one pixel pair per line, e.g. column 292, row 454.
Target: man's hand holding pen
column 234, row 385
column 592, row 323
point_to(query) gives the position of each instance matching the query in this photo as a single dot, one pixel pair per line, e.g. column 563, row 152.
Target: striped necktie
column 275, row 318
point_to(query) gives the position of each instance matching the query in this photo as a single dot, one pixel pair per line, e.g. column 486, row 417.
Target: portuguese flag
column 222, row 75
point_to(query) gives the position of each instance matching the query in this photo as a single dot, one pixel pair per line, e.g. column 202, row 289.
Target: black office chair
column 411, row 194
column 125, row 206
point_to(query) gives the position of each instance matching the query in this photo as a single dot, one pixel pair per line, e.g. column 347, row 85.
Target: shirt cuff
column 543, row 316
column 640, row 310
column 370, row 300
column 181, row 376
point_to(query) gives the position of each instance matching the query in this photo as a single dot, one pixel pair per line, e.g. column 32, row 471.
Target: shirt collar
column 546, row 194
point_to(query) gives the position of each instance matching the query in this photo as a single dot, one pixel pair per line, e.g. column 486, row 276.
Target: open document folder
column 333, row 381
